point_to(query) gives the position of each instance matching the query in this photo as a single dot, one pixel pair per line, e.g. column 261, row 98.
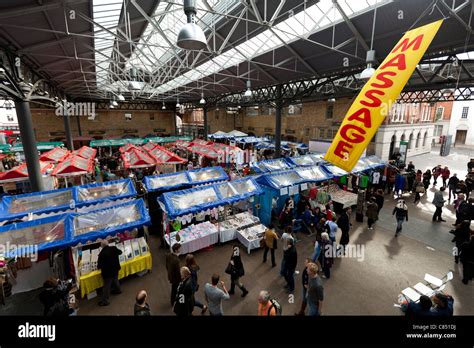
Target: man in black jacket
column 109, row 265
column 184, row 302
column 291, row 258
column 172, row 266
column 467, row 259
column 452, row 183
column 141, row 307
column 344, row 224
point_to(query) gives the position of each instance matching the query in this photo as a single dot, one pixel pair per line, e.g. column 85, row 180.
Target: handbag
column 229, row 268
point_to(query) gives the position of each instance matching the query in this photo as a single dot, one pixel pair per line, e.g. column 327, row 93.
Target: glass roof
column 156, row 51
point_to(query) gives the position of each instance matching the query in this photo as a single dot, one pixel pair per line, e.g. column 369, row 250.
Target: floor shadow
column 393, row 248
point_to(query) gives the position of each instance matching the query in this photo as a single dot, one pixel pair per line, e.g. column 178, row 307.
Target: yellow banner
column 377, row 96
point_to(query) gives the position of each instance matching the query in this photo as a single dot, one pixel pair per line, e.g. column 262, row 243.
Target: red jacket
column 445, row 173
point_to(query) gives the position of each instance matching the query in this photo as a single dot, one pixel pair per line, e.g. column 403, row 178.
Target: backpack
column 275, row 305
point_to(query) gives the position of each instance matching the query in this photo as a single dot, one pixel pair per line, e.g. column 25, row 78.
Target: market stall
column 271, row 165
column 58, row 154
column 36, row 204
column 136, row 158
column 20, row 173
column 195, row 204
column 85, row 152
column 278, row 187
column 305, row 160
column 167, row 161
column 73, row 166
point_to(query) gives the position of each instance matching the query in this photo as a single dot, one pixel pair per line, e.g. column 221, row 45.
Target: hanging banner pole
column 377, row 96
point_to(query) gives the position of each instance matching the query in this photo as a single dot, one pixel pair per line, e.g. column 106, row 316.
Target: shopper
column 419, row 189
column 463, row 210
column 184, row 301
column 109, row 265
column 54, row 298
column 443, row 305
column 315, row 292
column 436, row 173
column 410, row 167
column 265, row 306
column 287, row 235
column 291, row 258
column 141, row 308
column 422, row 308
column 236, row 270
column 326, row 257
column 271, row 243
column 438, row 202
column 401, row 214
column 462, row 233
column 173, row 268
column 445, row 173
column 379, row 199
column 426, row 179
column 469, row 184
column 344, row 224
column 214, row 295
column 308, row 219
column 372, row 212
column 304, row 283
column 194, row 269
column 316, row 248
column 467, row 259
column 331, row 228
column 470, row 165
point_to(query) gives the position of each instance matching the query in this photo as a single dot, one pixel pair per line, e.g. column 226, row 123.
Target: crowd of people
column 322, row 225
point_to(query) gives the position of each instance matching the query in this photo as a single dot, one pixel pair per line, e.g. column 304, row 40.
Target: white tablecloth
column 251, row 244
column 197, row 243
column 228, row 228
column 227, row 235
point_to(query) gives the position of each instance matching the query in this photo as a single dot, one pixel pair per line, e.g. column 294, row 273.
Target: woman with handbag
column 419, row 189
column 194, row 268
column 235, row 269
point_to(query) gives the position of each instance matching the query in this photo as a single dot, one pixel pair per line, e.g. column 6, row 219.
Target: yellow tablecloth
column 92, row 281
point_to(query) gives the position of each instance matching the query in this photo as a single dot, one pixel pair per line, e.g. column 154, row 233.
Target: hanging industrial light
column 120, row 97
column 369, row 71
column 248, row 92
column 134, row 85
column 178, row 105
column 191, row 36
column 202, row 101
column 331, row 100
column 164, row 106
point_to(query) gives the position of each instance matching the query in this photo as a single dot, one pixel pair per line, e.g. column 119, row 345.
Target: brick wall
column 49, row 126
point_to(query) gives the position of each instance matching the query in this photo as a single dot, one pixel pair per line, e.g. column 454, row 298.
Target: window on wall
column 439, row 113
column 329, row 111
column 322, row 133
column 424, row 138
column 465, row 111
column 252, row 111
column 307, row 131
column 152, row 117
column 410, row 142
column 418, row 140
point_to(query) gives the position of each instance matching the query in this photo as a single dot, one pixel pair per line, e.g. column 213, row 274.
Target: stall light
column 248, row 92
column 369, row 71
column 163, row 107
column 178, row 105
column 202, row 101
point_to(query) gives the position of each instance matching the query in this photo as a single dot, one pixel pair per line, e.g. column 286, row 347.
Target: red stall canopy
column 20, row 173
column 58, row 154
column 164, row 156
column 128, row 148
column 85, row 152
column 149, row 146
column 136, row 158
column 73, row 166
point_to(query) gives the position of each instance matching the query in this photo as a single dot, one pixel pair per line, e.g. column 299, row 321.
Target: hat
column 324, row 236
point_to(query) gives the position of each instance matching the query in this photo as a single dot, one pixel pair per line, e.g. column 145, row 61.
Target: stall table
column 228, row 228
column 345, row 198
column 250, row 237
column 195, row 237
column 93, row 280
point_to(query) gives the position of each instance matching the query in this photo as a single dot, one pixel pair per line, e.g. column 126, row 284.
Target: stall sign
column 377, row 96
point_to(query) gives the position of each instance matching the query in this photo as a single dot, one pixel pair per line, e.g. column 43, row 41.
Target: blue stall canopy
column 363, row 164
column 191, row 201
column 281, row 179
column 27, row 238
column 313, row 174
column 166, row 181
column 100, row 192
column 271, row 165
column 374, row 162
column 202, row 176
column 250, row 140
column 305, row 160
column 290, row 144
column 334, row 170
column 18, row 206
column 96, row 224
